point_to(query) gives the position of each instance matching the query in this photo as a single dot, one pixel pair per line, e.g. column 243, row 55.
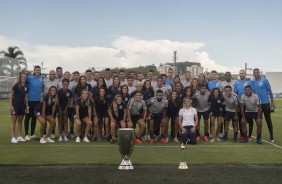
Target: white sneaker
column 182, row 146
column 33, row 137
column 14, row 140
column 27, row 138
column 175, row 139
column 156, row 138
column 60, row 138
column 52, row 136
column 143, row 138
column 212, row 140
column 48, row 139
column 85, row 139
column 42, row 140
column 272, row 141
column 77, row 139
column 167, row 139
column 148, row 137
column 21, row 139
column 65, row 138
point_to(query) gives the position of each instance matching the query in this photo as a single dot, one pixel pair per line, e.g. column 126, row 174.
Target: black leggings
column 265, row 108
column 188, row 137
column 32, row 105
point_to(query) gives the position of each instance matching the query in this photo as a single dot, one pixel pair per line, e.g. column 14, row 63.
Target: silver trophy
column 126, row 140
column 183, row 164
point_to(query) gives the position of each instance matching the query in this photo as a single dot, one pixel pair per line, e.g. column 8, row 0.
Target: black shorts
column 70, row 113
column 157, row 118
column 250, row 116
column 103, row 115
column 205, row 115
column 39, row 113
column 218, row 113
column 135, row 119
column 19, row 110
column 228, row 116
column 81, row 116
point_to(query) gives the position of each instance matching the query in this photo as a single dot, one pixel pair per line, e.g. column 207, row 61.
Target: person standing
column 35, row 85
column 262, row 88
column 214, row 83
column 187, row 81
column 18, row 107
column 51, row 81
column 169, row 79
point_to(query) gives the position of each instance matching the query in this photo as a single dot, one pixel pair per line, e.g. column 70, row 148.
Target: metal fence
column 9, row 75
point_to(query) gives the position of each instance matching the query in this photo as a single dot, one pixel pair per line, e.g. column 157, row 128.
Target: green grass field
column 203, row 157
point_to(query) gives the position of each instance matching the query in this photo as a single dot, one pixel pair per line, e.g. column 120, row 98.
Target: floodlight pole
column 175, row 58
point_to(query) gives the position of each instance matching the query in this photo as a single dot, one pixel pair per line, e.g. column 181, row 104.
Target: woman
column 114, row 89
column 35, row 86
column 148, row 90
column 188, row 120
column 187, row 92
column 216, row 112
column 46, row 111
column 172, row 111
column 176, row 79
column 101, row 115
column 18, row 107
column 124, row 93
column 81, row 85
column 100, row 84
column 178, row 89
column 83, row 115
column 194, row 85
column 117, row 113
column 202, row 80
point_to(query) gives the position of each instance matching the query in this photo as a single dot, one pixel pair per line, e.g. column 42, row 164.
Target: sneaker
column 42, row 140
column 33, row 137
column 156, row 138
column 65, row 138
column 206, row 138
column 14, row 140
column 175, row 139
column 241, row 138
column 138, row 140
column 95, row 139
column 85, row 139
column 99, row 138
column 182, row 146
column 71, row 136
column 148, row 137
column 152, row 141
column 143, row 138
column 245, row 140
column 60, row 138
column 21, row 139
column 162, row 140
column 49, row 140
column 271, row 140
column 77, row 139
column 212, row 140
column 218, row 139
column 113, row 141
column 167, row 140
column 198, row 138
column 259, row 141
column 250, row 138
column 27, row 138
column 52, row 136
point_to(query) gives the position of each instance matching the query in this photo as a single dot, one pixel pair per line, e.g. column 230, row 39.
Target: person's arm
column 77, row 111
column 11, row 100
column 129, row 114
column 196, row 122
column 268, row 87
column 43, row 108
column 236, row 112
column 89, row 111
column 124, row 115
column 144, row 115
column 110, row 114
column 26, row 103
column 67, row 106
column 242, row 111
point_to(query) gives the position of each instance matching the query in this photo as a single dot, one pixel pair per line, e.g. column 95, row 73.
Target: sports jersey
column 78, row 89
column 136, row 108
column 148, row 94
column 216, row 104
column 262, row 88
column 225, row 83
column 157, row 107
column 169, row 81
column 164, row 89
column 251, row 102
column 49, row 107
column 63, row 97
column 113, row 91
column 125, row 98
column 123, row 82
column 109, row 82
column 186, row 83
column 101, row 106
column 47, row 84
column 93, row 83
column 214, row 84
column 131, row 89
column 83, row 107
column 119, row 114
column 201, row 101
column 239, row 87
column 230, row 102
column 19, row 95
column 188, row 116
column 34, row 84
column 173, row 108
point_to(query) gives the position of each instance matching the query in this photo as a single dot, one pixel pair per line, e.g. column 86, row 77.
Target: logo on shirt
column 25, row 89
column 126, row 99
column 53, row 100
column 139, row 105
column 218, row 101
column 38, row 114
column 68, row 94
column 260, row 83
column 245, row 84
column 120, row 107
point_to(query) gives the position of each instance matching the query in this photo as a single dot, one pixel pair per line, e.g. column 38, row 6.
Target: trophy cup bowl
column 126, row 140
column 183, row 164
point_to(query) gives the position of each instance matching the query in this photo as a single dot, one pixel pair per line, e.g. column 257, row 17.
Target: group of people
column 93, row 107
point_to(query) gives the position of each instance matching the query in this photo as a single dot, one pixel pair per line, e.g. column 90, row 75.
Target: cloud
column 125, row 52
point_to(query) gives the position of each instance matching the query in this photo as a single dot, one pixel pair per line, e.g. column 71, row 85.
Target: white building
column 164, row 68
column 274, row 79
column 195, row 70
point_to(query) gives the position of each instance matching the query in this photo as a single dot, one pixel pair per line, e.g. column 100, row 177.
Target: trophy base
column 183, row 166
column 125, row 165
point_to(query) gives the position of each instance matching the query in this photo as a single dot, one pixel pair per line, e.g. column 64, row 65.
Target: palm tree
column 12, row 66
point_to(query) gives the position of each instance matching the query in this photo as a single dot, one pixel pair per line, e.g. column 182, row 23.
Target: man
column 202, row 106
column 157, row 116
column 169, row 79
column 137, row 113
column 130, row 85
column 67, row 75
column 160, row 86
column 228, row 81
column 214, row 83
column 59, row 72
column 107, row 77
column 231, row 112
column 89, row 80
column 239, row 90
column 47, row 83
column 263, row 89
column 150, row 77
column 187, row 81
column 122, row 78
column 140, row 78
column 96, row 76
column 251, row 110
column 139, row 86
column 165, row 85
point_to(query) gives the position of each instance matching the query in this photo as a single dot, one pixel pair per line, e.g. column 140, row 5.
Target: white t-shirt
column 188, row 116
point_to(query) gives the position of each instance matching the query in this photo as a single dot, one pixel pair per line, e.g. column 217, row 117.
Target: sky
column 220, row 34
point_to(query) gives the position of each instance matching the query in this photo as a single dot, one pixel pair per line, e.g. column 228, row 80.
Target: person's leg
column 60, row 124
column 12, row 125
column 219, row 126
column 33, row 117
column 198, row 125
column 266, row 111
column 184, row 136
column 177, row 127
column 226, row 129
column 235, row 128
column 212, row 122
column 206, row 121
column 151, row 129
column 51, row 121
column 27, row 119
column 192, row 136
column 173, row 124
column 78, row 127
column 142, row 127
column 42, row 122
column 113, row 129
column 107, row 126
column 19, row 125
column 96, row 122
column 88, row 124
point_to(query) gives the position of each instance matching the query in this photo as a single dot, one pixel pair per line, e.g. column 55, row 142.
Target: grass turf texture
column 164, row 158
